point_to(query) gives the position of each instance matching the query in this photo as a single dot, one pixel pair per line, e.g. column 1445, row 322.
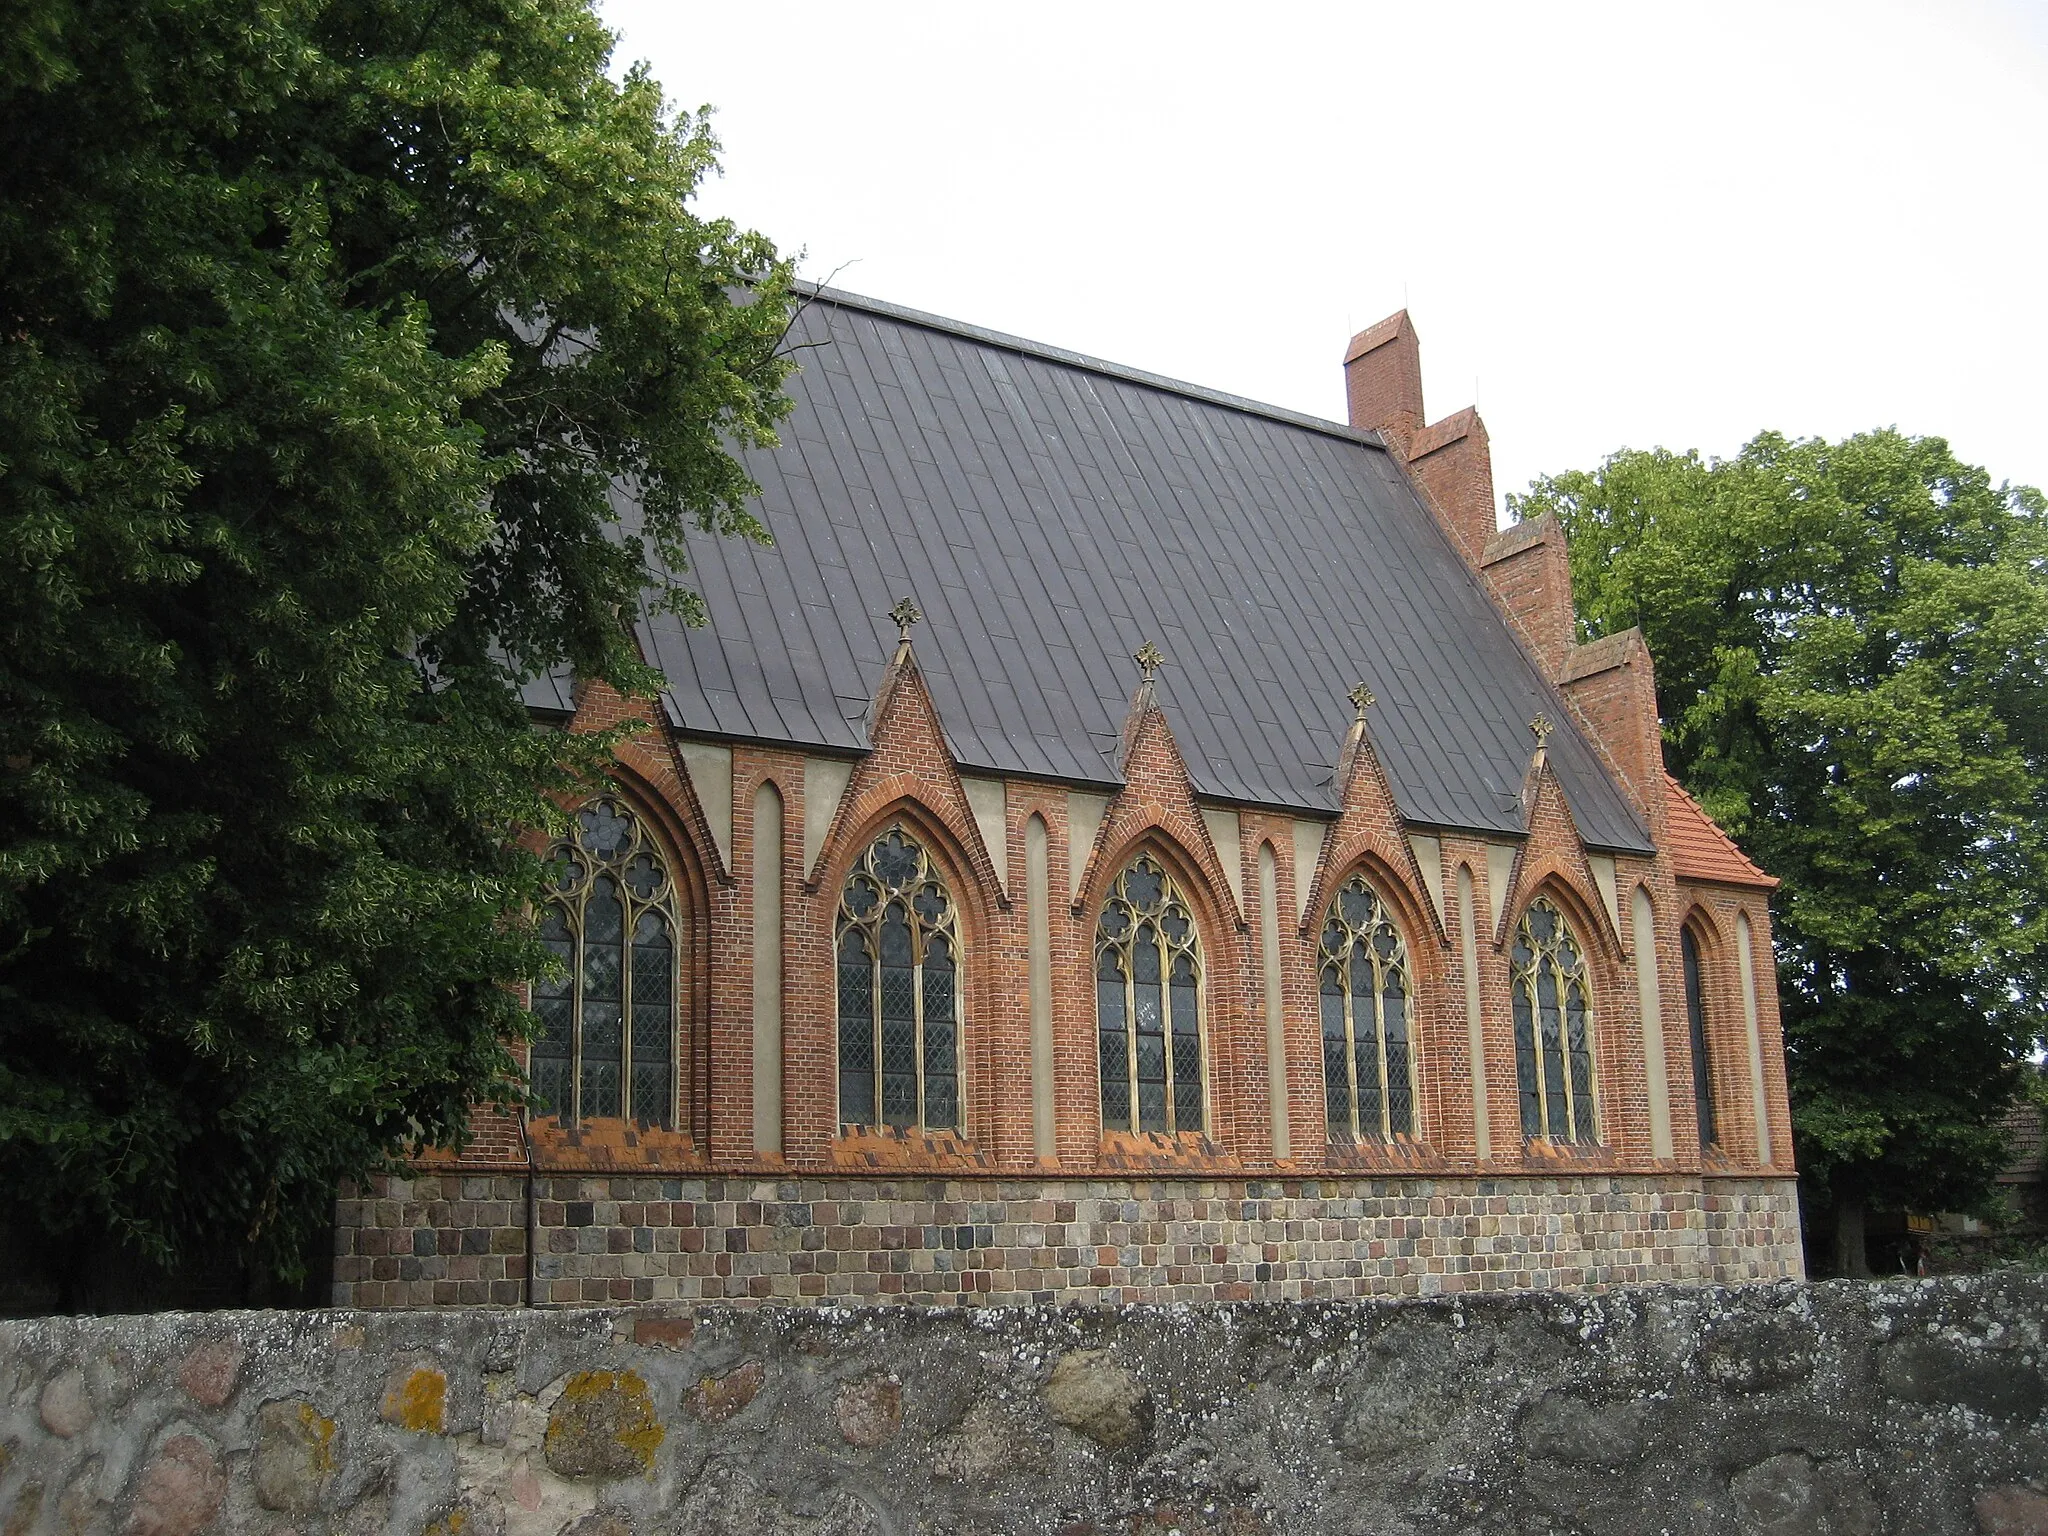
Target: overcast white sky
column 1618, row 224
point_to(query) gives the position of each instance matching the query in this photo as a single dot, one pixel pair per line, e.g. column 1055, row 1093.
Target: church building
column 1121, row 842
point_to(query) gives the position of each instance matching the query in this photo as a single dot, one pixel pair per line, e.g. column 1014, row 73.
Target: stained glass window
column 1368, row 1059
column 1148, row 1005
column 609, row 1023
column 1553, row 1023
column 899, row 993
column 1696, row 1016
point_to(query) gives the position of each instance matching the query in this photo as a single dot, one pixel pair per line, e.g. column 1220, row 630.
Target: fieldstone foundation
column 464, row 1240
column 1858, row 1410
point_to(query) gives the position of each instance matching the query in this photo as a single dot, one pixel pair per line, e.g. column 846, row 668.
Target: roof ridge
column 1025, row 347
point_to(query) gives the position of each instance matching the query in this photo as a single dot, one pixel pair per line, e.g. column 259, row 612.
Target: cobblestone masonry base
column 1909, row 1408
column 452, row 1239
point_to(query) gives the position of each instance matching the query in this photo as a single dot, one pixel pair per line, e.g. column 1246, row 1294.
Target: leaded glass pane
column 1187, row 1048
column 897, row 945
column 1114, row 1046
column 604, row 931
column 1362, row 954
column 1550, row 1039
column 554, row 1004
column 941, row 1096
column 653, row 1018
column 1336, row 1054
column 1553, row 1023
column 1400, row 1079
column 856, row 1029
column 899, row 1020
column 615, row 918
column 1365, row 1043
column 1148, row 1005
column 1525, row 1060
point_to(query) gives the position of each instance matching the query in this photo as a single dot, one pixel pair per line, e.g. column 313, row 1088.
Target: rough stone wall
column 441, row 1241
column 1849, row 1409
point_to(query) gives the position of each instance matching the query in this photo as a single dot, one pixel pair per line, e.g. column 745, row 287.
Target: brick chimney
column 1383, row 380
column 1451, row 460
column 1608, row 685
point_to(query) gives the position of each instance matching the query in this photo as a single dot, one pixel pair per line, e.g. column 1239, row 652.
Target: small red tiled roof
column 1699, row 849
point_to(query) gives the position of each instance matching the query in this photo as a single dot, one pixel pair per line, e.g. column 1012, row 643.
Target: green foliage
column 1851, row 643
column 326, row 328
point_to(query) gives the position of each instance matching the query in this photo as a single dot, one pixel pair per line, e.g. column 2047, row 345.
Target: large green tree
column 1851, row 643
column 327, row 329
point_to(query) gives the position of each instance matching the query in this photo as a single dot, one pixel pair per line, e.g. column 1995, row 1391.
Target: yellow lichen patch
column 319, row 1438
column 603, row 1425
column 450, row 1524
column 418, row 1400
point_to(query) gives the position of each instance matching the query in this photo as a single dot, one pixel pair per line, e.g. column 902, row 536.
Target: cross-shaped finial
column 1149, row 659
column 905, row 614
column 1542, row 727
column 1361, row 696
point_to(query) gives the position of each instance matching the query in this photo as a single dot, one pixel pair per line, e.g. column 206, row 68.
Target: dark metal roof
column 1050, row 514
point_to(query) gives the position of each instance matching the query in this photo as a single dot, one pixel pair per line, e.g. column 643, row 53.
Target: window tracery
column 1696, row 1019
column 610, row 1024
column 1368, row 1069
column 1553, row 1023
column 1148, row 1004
column 899, row 954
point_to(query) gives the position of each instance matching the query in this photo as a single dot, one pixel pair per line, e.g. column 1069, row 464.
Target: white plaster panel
column 1650, row 995
column 1308, row 847
column 1759, row 1103
column 1038, row 915
column 1226, row 833
column 1084, row 820
column 709, row 765
column 987, row 799
column 1429, row 857
column 1500, row 867
column 1603, row 876
column 1475, row 1035
column 768, row 846
column 825, row 780
column 1276, row 1019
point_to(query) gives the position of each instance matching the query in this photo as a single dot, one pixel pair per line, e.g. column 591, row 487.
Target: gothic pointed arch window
column 1148, row 1004
column 1553, row 1027
column 899, row 990
column 1696, row 1019
column 1368, row 1060
column 611, row 1035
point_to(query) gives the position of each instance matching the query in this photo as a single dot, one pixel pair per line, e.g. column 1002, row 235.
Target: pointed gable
column 1157, row 795
column 1369, row 823
column 908, row 761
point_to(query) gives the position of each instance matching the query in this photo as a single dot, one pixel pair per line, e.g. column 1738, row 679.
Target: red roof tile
column 1699, row 849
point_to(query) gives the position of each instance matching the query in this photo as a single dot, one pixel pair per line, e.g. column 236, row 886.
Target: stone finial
column 1542, row 728
column 1362, row 699
column 1149, row 659
column 905, row 613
